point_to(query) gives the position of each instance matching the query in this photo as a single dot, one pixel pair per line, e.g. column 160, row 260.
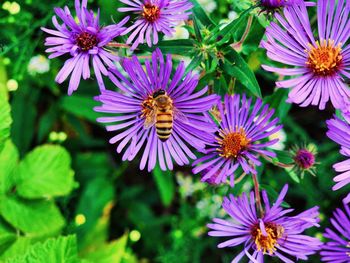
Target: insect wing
column 178, row 115
column 150, row 120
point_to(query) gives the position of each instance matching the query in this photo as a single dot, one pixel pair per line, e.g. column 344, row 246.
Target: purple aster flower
column 274, row 233
column 243, row 134
column 154, row 16
column 320, row 66
column 337, row 250
column 304, row 159
column 269, row 5
column 339, row 131
column 152, row 109
column 83, row 40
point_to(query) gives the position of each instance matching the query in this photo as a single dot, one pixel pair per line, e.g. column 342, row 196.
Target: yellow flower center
column 232, row 143
column 324, row 59
column 151, row 12
column 267, row 243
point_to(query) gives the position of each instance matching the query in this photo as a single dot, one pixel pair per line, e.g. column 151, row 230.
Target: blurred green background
column 59, row 177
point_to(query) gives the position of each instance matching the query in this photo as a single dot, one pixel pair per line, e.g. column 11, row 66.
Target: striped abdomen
column 164, row 124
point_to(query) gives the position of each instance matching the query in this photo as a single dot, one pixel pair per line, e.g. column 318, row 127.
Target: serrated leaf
column 5, row 121
column 60, row 250
column 45, row 172
column 36, row 218
column 8, row 162
column 111, row 252
column 236, row 67
column 165, row 184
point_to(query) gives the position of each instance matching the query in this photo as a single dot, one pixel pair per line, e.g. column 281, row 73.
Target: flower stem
column 115, row 44
column 279, row 164
column 237, row 45
column 257, row 195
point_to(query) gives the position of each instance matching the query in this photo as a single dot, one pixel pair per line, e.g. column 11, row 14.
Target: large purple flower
column 273, row 233
column 154, row 16
column 163, row 113
column 337, row 249
column 320, row 66
column 243, row 134
column 83, row 40
column 339, row 131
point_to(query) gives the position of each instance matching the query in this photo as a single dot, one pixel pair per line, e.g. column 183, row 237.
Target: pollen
column 267, row 242
column 324, row 59
column 151, row 12
column 86, row 41
column 232, row 143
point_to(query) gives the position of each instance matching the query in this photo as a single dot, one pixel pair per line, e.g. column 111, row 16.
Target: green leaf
column 47, row 121
column 45, row 172
column 194, row 63
column 19, row 247
column 111, row 252
column 284, row 157
column 5, row 120
column 92, row 202
column 24, row 112
column 277, row 101
column 199, row 12
column 60, row 250
column 8, row 162
column 272, row 194
column 37, row 218
column 225, row 33
column 177, row 46
column 293, row 175
column 7, row 236
column 236, row 67
column 197, row 29
column 80, row 106
column 165, row 184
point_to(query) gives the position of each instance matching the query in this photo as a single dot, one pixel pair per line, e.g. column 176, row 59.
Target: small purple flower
column 154, row 16
column 243, row 134
column 338, row 249
column 273, row 233
column 320, row 66
column 339, row 131
column 273, row 4
column 83, row 41
column 162, row 113
column 304, row 159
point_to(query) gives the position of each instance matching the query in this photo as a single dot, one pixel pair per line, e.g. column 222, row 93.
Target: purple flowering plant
column 200, row 131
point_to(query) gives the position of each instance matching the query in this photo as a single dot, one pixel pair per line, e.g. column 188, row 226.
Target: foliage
column 66, row 195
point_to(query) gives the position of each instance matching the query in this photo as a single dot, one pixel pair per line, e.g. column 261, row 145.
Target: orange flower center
column 267, row 242
column 151, row 12
column 324, row 59
column 86, row 41
column 232, row 143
